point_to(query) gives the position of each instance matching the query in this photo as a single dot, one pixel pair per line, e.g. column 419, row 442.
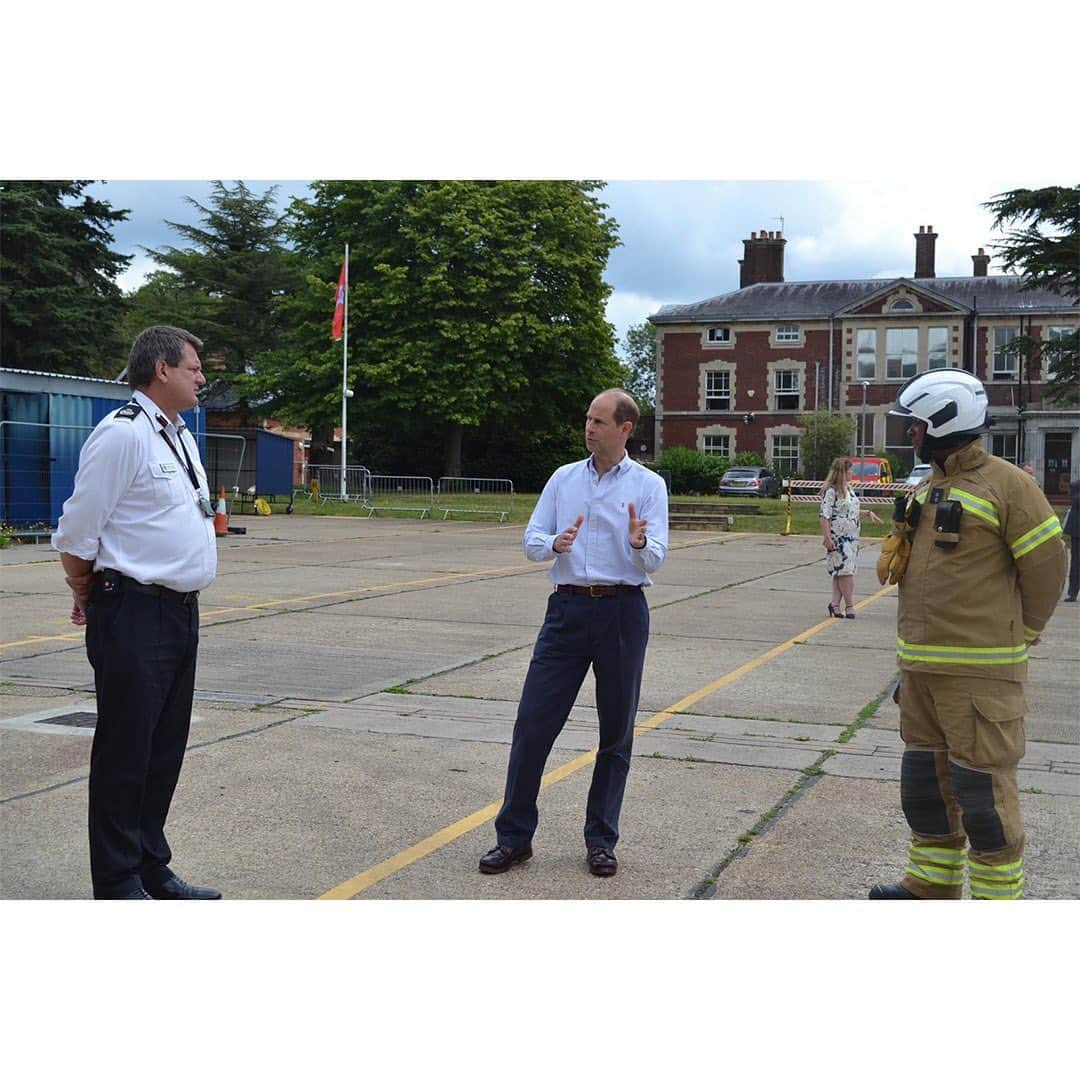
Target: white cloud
column 136, row 273
column 626, row 309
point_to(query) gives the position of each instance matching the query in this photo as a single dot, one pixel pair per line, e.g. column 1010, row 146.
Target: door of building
column 1058, row 458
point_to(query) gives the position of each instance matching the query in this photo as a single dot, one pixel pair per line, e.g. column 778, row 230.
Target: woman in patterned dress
column 840, row 516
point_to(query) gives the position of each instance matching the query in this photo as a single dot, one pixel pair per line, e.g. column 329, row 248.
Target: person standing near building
column 1071, row 529
column 605, row 522
column 136, row 539
column 840, row 518
column 978, row 556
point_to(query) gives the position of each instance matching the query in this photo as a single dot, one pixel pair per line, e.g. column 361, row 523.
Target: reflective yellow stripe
column 1013, row 869
column 936, row 877
column 974, row 505
column 940, row 854
column 1039, row 535
column 938, row 865
column 961, row 654
column 981, row 892
column 1005, row 882
column 1029, row 634
column 922, row 494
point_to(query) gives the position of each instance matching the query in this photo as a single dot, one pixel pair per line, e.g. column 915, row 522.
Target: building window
column 720, row 445
column 718, row 335
column 787, row 390
column 937, row 347
column 897, row 442
column 901, row 305
column 1005, row 366
column 717, row 391
column 785, row 454
column 1003, row 446
column 901, row 353
column 788, row 333
column 866, row 352
column 1054, row 336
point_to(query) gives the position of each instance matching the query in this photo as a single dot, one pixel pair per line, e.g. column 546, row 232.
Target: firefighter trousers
column 963, row 739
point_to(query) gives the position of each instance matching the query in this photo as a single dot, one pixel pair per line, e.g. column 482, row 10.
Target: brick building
column 735, row 372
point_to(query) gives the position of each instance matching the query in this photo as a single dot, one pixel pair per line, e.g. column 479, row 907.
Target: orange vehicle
column 871, row 470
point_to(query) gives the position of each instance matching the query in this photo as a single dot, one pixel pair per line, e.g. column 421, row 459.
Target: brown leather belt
column 597, row 590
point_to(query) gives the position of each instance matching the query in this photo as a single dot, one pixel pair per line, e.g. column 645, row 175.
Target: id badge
column 205, row 506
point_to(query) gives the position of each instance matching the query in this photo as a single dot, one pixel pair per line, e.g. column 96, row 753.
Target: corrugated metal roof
column 60, row 375
column 819, row 299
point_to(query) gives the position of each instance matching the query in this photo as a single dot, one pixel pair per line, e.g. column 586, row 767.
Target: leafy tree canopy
column 470, row 302
column 1043, row 243
column 639, row 363
column 58, row 293
column 825, row 436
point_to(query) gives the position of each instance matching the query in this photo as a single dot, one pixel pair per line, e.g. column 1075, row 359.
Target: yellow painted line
column 356, row 885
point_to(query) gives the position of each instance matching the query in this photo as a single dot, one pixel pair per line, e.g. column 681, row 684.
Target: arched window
column 902, row 305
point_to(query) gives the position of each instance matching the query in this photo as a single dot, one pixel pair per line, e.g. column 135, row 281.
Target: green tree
column 228, row 285
column 58, row 294
column 1044, row 245
column 825, row 436
column 639, row 365
column 470, row 302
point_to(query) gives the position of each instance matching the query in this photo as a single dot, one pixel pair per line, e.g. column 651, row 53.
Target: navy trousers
column 142, row 648
column 610, row 633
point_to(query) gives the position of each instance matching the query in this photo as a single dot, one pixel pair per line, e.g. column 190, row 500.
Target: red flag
column 339, row 307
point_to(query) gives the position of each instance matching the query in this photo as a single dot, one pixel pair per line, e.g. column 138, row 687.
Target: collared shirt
column 601, row 553
column 134, row 508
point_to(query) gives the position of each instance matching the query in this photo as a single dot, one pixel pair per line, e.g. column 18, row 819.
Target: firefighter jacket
column 972, row 599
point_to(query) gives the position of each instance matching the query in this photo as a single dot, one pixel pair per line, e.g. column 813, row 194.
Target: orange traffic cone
column 221, row 521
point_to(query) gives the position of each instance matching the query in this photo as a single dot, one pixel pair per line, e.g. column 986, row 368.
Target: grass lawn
column 770, row 519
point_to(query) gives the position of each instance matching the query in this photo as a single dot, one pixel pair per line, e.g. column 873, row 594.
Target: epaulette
column 128, row 412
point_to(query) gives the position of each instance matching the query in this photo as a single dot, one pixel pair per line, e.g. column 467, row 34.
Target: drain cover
column 75, row 719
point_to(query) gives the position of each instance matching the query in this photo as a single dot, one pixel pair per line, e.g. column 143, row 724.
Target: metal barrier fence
column 475, row 495
column 411, row 494
column 809, row 491
column 39, row 462
column 328, row 479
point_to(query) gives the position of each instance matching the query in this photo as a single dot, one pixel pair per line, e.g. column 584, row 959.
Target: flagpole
column 345, row 381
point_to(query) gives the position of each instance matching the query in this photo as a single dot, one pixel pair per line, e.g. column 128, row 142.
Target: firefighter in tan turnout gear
column 978, row 555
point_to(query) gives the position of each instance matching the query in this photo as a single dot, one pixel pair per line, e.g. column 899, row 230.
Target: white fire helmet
column 952, row 402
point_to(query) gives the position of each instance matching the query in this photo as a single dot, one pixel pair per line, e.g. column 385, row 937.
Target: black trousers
column 142, row 647
column 1074, row 566
column 609, row 633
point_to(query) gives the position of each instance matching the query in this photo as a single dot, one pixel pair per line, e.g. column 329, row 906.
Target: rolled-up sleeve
column 654, row 509
column 542, row 529
column 107, row 465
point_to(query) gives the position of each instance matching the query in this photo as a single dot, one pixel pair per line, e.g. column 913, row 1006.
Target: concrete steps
column 718, row 516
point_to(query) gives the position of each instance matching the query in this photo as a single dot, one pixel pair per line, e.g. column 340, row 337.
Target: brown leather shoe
column 892, row 892
column 602, row 861
column 500, row 858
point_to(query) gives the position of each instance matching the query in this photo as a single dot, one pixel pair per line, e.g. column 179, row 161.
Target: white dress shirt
column 601, row 553
column 134, row 508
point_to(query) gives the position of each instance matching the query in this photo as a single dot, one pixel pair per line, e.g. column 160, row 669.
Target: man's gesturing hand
column 565, row 540
column 637, row 528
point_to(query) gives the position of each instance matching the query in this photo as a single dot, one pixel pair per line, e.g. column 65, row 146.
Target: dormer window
column 718, row 335
column 902, row 305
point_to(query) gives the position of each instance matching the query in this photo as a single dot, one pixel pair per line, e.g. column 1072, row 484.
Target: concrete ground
column 357, row 686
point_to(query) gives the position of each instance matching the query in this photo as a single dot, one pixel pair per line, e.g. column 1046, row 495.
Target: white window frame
column 787, row 334
column 1054, row 333
column 944, row 353
column 789, row 375
column 902, row 304
column 706, row 449
column 718, row 342
column 999, row 373
column 723, row 375
column 859, row 373
column 911, row 333
column 777, row 462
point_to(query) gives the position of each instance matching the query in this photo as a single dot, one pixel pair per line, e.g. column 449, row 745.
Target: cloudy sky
column 682, row 239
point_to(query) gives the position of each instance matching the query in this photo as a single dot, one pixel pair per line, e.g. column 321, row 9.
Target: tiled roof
column 820, row 299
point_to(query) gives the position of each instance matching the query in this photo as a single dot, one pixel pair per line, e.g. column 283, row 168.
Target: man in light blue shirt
column 604, row 521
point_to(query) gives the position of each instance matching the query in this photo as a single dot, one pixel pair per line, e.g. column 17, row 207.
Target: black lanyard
column 192, row 475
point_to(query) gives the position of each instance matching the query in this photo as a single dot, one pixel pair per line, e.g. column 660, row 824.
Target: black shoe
column 500, row 858
column 176, row 889
column 836, row 613
column 135, row 894
column 892, row 892
column 850, row 615
column 1070, row 600
column 602, row 861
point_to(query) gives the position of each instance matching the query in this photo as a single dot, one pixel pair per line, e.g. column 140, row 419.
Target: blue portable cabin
column 45, row 418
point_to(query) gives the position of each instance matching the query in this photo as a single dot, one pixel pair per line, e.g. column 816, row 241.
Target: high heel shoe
column 834, row 612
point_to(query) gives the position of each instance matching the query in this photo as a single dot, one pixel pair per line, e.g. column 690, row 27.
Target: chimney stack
column 924, row 251
column 763, row 259
column 981, row 264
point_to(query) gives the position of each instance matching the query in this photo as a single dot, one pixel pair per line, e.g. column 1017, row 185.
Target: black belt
column 116, row 579
column 597, row 590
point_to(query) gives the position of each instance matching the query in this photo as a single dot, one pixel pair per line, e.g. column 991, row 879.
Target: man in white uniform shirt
column 137, row 544
column 605, row 522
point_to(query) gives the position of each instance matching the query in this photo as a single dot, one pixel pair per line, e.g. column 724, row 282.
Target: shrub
column 692, row 473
